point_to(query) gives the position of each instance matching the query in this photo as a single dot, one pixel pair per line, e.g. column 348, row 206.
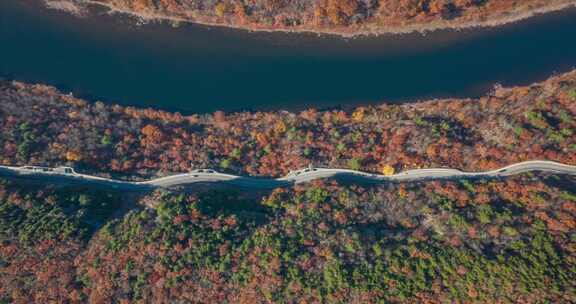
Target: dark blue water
column 201, row 69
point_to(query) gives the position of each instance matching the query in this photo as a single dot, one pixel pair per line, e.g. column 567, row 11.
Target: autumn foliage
column 340, row 16
column 40, row 126
column 458, row 241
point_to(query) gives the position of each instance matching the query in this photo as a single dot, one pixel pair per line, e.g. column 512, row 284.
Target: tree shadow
column 566, row 183
column 39, row 209
column 228, row 202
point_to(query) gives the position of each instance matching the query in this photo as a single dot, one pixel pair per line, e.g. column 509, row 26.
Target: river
column 198, row 69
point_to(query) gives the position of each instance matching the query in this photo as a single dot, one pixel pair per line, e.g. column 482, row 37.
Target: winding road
column 67, row 175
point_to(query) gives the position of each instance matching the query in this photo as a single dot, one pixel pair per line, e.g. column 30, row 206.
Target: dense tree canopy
column 342, row 16
column 486, row 241
column 40, row 126
column 509, row 240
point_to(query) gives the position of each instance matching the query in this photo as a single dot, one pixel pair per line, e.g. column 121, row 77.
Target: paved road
column 69, row 176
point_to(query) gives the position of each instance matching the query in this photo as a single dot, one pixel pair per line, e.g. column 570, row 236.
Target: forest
column 336, row 16
column 461, row 241
column 451, row 240
column 507, row 240
column 42, row 126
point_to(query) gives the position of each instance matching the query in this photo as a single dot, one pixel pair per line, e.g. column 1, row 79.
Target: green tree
column 236, row 153
column 355, row 163
column 225, row 163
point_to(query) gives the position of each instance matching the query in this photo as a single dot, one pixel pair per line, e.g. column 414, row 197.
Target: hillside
column 41, row 126
column 508, row 240
column 345, row 17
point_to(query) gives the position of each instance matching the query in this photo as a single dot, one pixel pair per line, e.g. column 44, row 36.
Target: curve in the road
column 68, row 175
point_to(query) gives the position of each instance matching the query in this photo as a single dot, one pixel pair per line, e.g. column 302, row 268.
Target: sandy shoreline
column 418, row 28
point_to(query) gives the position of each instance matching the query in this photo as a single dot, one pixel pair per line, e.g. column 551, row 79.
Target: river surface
column 196, row 68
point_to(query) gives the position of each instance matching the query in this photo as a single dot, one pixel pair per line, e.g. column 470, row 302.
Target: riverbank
column 351, row 32
column 507, row 126
column 200, row 69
